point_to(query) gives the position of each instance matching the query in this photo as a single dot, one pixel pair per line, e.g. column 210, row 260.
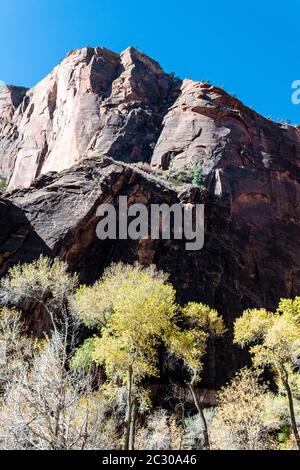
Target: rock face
column 98, row 103
column 62, row 209
column 252, row 226
column 93, row 101
column 19, row 243
column 10, row 99
column 126, row 107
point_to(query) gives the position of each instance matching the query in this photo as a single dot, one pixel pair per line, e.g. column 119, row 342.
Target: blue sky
column 252, row 48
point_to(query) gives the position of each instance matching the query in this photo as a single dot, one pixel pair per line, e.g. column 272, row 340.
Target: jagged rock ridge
column 96, row 102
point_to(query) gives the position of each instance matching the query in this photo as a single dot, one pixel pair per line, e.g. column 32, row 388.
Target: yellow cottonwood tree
column 134, row 308
column 135, row 311
column 44, row 282
column 190, row 346
column 275, row 339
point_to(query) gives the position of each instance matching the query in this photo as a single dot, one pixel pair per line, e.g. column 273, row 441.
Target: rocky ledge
column 250, row 256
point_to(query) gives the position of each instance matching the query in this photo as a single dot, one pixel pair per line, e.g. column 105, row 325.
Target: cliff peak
column 125, row 106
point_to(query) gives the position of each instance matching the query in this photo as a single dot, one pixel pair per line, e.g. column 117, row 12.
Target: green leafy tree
column 134, row 309
column 3, row 184
column 275, row 340
column 190, row 345
column 197, row 175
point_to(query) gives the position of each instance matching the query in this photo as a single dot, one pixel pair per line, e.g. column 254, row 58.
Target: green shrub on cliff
column 197, row 175
column 3, row 184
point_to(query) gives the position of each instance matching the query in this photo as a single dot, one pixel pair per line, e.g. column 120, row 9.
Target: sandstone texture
column 96, row 102
column 93, row 101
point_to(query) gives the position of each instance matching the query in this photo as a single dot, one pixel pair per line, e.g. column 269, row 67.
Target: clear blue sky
column 251, row 48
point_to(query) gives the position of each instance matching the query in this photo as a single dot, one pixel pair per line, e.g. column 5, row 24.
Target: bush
column 3, row 184
column 239, row 422
column 197, row 175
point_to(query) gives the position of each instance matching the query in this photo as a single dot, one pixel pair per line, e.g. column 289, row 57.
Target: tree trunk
column 132, row 427
column 202, row 417
column 129, row 410
column 286, row 385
